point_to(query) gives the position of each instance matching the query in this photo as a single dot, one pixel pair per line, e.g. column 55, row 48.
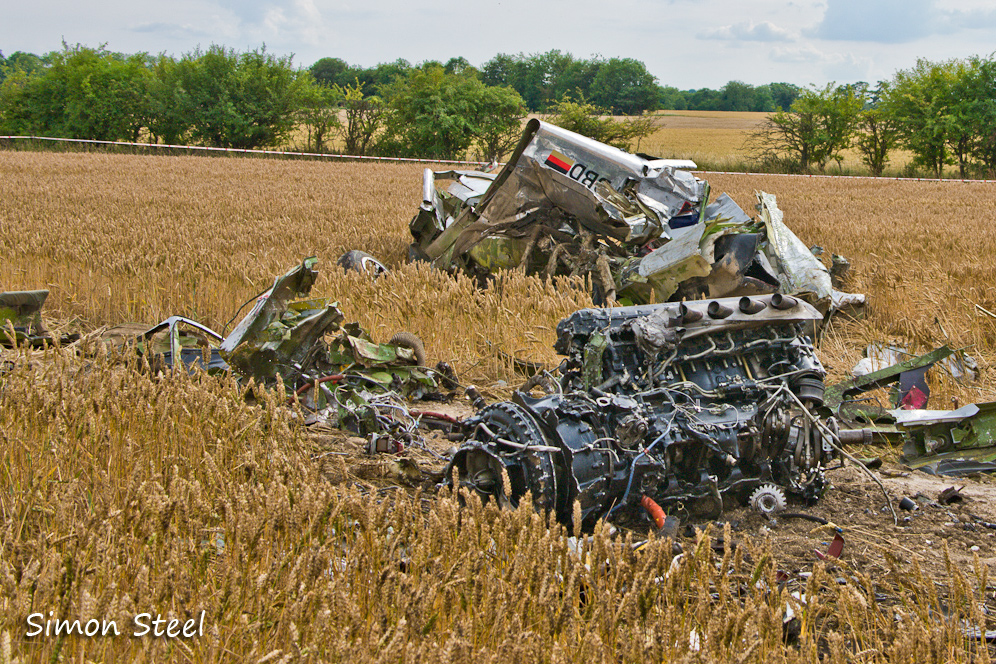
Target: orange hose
column 654, row 510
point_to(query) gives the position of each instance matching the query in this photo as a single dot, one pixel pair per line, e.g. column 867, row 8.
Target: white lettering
column 34, row 626
column 139, row 623
column 188, row 625
column 68, row 626
column 96, row 627
column 174, row 624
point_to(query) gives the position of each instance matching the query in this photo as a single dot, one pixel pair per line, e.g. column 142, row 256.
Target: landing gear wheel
column 768, row 499
column 361, row 262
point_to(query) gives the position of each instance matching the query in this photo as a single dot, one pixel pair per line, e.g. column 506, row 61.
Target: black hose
column 807, row 517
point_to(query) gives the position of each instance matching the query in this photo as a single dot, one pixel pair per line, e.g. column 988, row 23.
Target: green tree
column 818, row 126
column 737, row 96
column 704, row 99
column 168, row 101
column 319, row 112
column 625, row 86
column 783, row 94
column 576, row 76
column 386, row 73
column 330, row 71
column 583, row 117
column 82, row 93
column 672, row 98
column 431, row 114
column 542, row 78
column 877, row 133
column 29, row 63
column 918, row 101
column 459, row 65
column 364, row 118
column 983, row 72
column 240, row 100
column 499, row 121
column 500, row 70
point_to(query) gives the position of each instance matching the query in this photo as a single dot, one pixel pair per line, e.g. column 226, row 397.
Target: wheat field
column 125, row 492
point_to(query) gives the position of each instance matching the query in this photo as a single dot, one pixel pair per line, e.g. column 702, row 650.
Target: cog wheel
column 768, row 499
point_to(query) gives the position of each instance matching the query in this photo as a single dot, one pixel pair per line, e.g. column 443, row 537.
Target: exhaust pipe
column 749, row 306
column 717, row 310
column 688, row 315
column 779, row 301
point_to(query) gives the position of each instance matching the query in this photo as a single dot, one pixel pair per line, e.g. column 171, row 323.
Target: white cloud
column 844, row 67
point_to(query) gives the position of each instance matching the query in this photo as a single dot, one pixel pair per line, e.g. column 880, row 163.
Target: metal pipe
column 688, row 315
column 749, row 306
column 779, row 301
column 717, row 310
column 855, row 436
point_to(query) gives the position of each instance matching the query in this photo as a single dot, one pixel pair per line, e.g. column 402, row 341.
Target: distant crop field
column 714, row 138
column 124, row 492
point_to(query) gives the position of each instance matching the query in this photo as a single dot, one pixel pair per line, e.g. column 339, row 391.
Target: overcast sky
column 684, row 43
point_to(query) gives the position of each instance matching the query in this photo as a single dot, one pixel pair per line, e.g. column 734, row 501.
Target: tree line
column 623, row 86
column 944, row 113
column 221, row 97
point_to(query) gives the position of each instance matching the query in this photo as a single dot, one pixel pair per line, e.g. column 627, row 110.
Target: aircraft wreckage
column 644, row 230
column 696, row 406
column 697, row 388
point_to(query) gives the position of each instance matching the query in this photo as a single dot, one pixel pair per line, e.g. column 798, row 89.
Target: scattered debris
column 334, row 371
column 21, row 311
column 834, row 550
column 942, row 442
column 695, row 405
column 950, row 442
column 959, row 364
column 179, row 337
column 768, row 499
column 20, row 319
column 644, row 230
column 837, row 395
column 950, row 495
column 362, row 262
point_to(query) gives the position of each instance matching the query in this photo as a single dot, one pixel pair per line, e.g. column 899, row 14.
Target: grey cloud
column 800, row 55
column 172, row 30
column 975, row 18
column 835, row 66
column 882, row 21
column 749, row 31
column 249, row 11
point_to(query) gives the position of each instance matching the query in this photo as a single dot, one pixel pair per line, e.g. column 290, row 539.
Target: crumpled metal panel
column 798, row 270
column 22, row 309
column 272, row 304
column 556, row 168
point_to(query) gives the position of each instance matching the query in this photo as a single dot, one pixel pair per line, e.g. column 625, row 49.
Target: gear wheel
column 768, row 499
